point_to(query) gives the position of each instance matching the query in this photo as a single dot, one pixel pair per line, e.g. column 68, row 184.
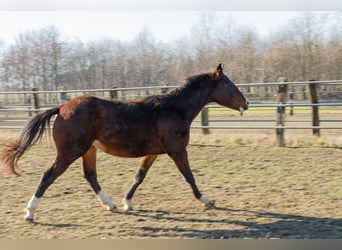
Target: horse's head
column 226, row 93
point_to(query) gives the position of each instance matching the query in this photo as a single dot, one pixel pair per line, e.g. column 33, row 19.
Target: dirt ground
column 261, row 191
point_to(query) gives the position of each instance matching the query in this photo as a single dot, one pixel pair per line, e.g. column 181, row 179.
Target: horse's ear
column 218, row 71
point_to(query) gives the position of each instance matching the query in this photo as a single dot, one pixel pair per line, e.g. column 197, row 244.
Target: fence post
column 314, row 100
column 281, row 99
column 63, row 97
column 28, row 100
column 36, row 100
column 113, row 93
column 205, row 120
column 291, row 97
column 164, row 90
column 303, row 93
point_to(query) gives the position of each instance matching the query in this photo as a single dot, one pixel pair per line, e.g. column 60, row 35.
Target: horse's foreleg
column 48, row 178
column 89, row 169
column 145, row 164
column 181, row 161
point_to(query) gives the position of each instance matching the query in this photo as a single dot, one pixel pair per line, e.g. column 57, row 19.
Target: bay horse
column 157, row 124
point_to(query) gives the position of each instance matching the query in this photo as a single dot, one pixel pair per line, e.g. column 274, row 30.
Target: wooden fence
column 310, row 105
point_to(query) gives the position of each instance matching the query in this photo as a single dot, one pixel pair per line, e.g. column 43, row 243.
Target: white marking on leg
column 207, row 203
column 106, row 202
column 31, row 207
column 205, row 200
column 127, row 205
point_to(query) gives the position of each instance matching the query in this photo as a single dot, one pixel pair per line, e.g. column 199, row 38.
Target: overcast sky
column 229, row 5
column 167, row 20
column 124, row 25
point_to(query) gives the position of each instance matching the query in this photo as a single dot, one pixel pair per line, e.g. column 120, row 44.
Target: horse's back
column 120, row 128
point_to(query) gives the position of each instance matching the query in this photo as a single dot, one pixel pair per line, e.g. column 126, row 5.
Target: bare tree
column 280, row 58
column 307, row 34
column 306, row 48
column 297, row 52
column 247, row 58
column 148, row 60
column 17, row 63
column 333, row 50
column 204, row 41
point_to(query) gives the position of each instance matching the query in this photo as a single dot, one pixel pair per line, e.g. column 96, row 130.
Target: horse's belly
column 126, row 149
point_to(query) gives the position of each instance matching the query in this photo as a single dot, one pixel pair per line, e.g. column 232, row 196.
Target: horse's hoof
column 127, row 205
column 28, row 219
column 29, row 215
column 113, row 209
column 128, row 208
column 209, row 205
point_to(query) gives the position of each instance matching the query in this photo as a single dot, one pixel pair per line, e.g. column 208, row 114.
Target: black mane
column 191, row 85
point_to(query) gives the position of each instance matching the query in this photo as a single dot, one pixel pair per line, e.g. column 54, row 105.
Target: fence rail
column 317, row 105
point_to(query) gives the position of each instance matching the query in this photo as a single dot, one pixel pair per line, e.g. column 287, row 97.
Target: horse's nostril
column 247, row 105
column 246, row 101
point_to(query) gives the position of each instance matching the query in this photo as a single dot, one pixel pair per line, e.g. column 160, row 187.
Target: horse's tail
column 30, row 134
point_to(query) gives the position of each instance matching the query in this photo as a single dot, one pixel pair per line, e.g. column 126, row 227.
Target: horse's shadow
column 59, row 225
column 285, row 226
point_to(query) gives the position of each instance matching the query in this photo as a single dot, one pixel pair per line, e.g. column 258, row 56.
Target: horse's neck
column 192, row 100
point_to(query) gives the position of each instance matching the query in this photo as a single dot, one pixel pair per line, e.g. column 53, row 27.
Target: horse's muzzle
column 245, row 107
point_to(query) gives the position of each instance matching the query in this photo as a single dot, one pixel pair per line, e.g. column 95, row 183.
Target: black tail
column 30, row 134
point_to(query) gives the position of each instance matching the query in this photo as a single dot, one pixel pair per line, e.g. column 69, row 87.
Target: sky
column 166, row 26
column 166, row 20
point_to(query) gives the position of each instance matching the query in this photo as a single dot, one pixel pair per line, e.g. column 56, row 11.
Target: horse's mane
column 190, row 83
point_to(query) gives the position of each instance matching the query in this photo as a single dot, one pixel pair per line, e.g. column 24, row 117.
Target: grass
column 261, row 191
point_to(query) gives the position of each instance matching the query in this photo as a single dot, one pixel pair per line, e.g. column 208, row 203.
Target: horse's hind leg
column 58, row 168
column 89, row 168
column 145, row 164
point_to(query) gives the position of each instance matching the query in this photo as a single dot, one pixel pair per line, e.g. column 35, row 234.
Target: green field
column 261, row 191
